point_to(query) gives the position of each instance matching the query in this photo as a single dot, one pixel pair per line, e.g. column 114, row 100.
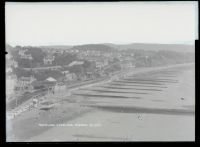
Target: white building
column 11, row 82
column 50, row 79
column 48, row 59
column 9, row 70
column 22, row 52
column 14, row 63
column 65, row 72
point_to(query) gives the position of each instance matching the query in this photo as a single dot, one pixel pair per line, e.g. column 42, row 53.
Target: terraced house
column 24, row 83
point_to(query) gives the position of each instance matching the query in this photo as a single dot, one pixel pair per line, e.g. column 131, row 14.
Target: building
column 9, row 70
column 24, row 83
column 48, row 59
column 22, row 52
column 101, row 64
column 58, row 51
column 37, row 69
column 71, row 77
column 54, row 67
column 76, row 63
column 38, row 85
column 27, row 56
column 50, row 79
column 11, row 63
column 65, row 72
column 14, row 64
column 128, row 64
column 81, row 77
column 90, row 75
column 11, row 81
column 46, row 85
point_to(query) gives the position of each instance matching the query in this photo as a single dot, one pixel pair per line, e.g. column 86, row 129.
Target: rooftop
column 76, row 63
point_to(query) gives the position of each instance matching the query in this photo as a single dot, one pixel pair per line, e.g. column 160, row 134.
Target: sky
column 106, row 22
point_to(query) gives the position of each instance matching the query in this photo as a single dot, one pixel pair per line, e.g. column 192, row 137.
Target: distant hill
column 110, row 47
column 154, row 47
column 62, row 47
column 95, row 47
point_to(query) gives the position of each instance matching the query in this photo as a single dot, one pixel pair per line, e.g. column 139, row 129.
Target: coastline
column 71, row 104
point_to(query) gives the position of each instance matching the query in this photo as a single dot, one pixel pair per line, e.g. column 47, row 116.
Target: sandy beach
column 155, row 105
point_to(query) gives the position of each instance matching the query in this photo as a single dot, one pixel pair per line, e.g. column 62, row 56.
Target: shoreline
column 76, row 104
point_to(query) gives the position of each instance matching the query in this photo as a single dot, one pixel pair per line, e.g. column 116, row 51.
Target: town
column 89, row 72
column 33, row 70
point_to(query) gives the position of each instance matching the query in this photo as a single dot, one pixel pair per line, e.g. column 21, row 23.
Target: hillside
column 63, row 47
column 109, row 47
column 154, row 47
column 95, row 47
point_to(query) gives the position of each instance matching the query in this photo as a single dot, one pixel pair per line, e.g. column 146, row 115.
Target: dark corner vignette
column 2, row 74
column 3, row 95
column 197, row 80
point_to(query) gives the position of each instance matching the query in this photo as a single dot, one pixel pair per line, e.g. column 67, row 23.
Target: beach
column 151, row 105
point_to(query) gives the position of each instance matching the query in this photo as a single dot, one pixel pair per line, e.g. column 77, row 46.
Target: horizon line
column 184, row 43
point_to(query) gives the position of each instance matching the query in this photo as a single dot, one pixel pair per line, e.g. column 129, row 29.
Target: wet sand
column 145, row 111
column 112, row 126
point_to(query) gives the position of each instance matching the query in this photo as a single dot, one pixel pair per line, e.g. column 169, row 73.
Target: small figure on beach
column 139, row 117
column 182, row 98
